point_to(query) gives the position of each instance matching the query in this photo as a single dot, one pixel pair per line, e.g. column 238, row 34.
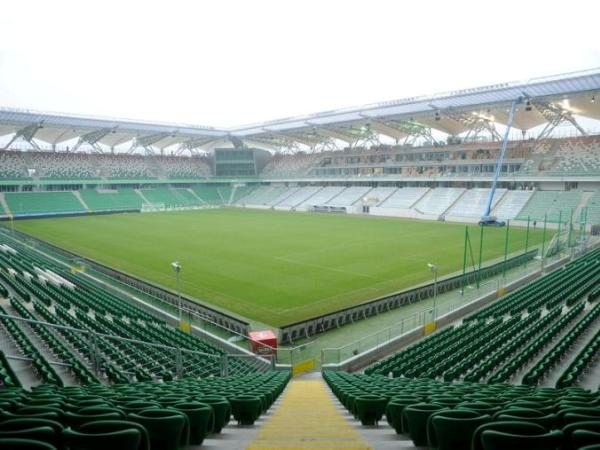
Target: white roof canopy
column 544, row 100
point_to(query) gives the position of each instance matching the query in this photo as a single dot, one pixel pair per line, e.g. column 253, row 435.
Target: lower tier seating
column 144, row 416
column 40, row 289
column 448, row 416
column 43, row 203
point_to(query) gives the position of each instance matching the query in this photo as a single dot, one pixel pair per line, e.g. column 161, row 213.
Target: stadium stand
column 211, row 194
column 132, row 385
column 174, row 167
column 404, row 198
column 170, row 197
column 77, row 302
column 447, row 390
column 473, row 202
column 481, row 347
column 552, row 204
column 111, row 200
column 80, row 166
column 593, row 208
column 437, row 201
column 43, row 203
column 378, row 195
column 262, row 196
column 11, row 166
column 511, row 204
column 286, row 166
column 298, row 197
column 321, row 197
column 62, row 166
column 3, row 211
column 349, row 196
column 578, row 156
column 285, row 194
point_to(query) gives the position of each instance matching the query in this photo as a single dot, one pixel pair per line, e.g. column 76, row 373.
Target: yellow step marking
column 307, row 418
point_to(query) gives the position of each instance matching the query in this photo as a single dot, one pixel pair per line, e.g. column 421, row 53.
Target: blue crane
column 487, row 219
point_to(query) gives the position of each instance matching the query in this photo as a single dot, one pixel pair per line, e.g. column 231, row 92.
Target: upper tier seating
column 436, row 201
column 42, row 202
column 286, row 166
column 578, row 156
column 63, row 165
column 182, row 167
column 11, row 165
column 473, row 202
column 76, row 166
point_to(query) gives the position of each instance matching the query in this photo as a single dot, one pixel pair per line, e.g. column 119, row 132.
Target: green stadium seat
column 127, row 439
column 497, row 440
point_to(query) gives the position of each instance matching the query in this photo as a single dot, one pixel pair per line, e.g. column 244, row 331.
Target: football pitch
column 275, row 267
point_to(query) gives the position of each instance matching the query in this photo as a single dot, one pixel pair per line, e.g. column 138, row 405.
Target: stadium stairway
column 3, row 205
column 139, row 192
column 63, row 372
column 308, row 418
column 588, row 380
column 583, row 202
column 551, row 378
column 81, row 200
column 200, row 201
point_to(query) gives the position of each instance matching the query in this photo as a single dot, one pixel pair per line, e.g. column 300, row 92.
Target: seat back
column 498, row 440
column 123, row 440
column 107, row 426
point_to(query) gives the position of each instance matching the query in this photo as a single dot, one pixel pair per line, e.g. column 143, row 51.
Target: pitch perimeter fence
column 346, row 316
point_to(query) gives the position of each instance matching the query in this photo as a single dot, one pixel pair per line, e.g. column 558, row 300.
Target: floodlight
column 176, row 266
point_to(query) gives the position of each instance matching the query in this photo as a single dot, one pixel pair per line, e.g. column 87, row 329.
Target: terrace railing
column 178, row 362
column 415, row 323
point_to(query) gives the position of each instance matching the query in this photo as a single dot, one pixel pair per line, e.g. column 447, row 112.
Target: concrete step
column 308, row 418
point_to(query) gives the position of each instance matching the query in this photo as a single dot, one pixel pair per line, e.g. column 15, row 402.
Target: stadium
column 419, row 273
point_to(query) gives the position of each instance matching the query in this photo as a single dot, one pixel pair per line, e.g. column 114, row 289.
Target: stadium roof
column 548, row 100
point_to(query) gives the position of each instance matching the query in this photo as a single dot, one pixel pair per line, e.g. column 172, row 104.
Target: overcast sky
column 227, row 63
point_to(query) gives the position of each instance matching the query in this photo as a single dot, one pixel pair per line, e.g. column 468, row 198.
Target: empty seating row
column 112, row 321
column 551, row 205
column 498, row 340
column 145, row 416
column 474, row 202
column 77, row 166
column 473, row 416
column 170, row 197
column 212, row 195
column 24, row 203
column 111, row 200
column 402, row 198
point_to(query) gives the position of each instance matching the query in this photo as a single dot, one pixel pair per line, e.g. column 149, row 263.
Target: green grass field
column 273, row 267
